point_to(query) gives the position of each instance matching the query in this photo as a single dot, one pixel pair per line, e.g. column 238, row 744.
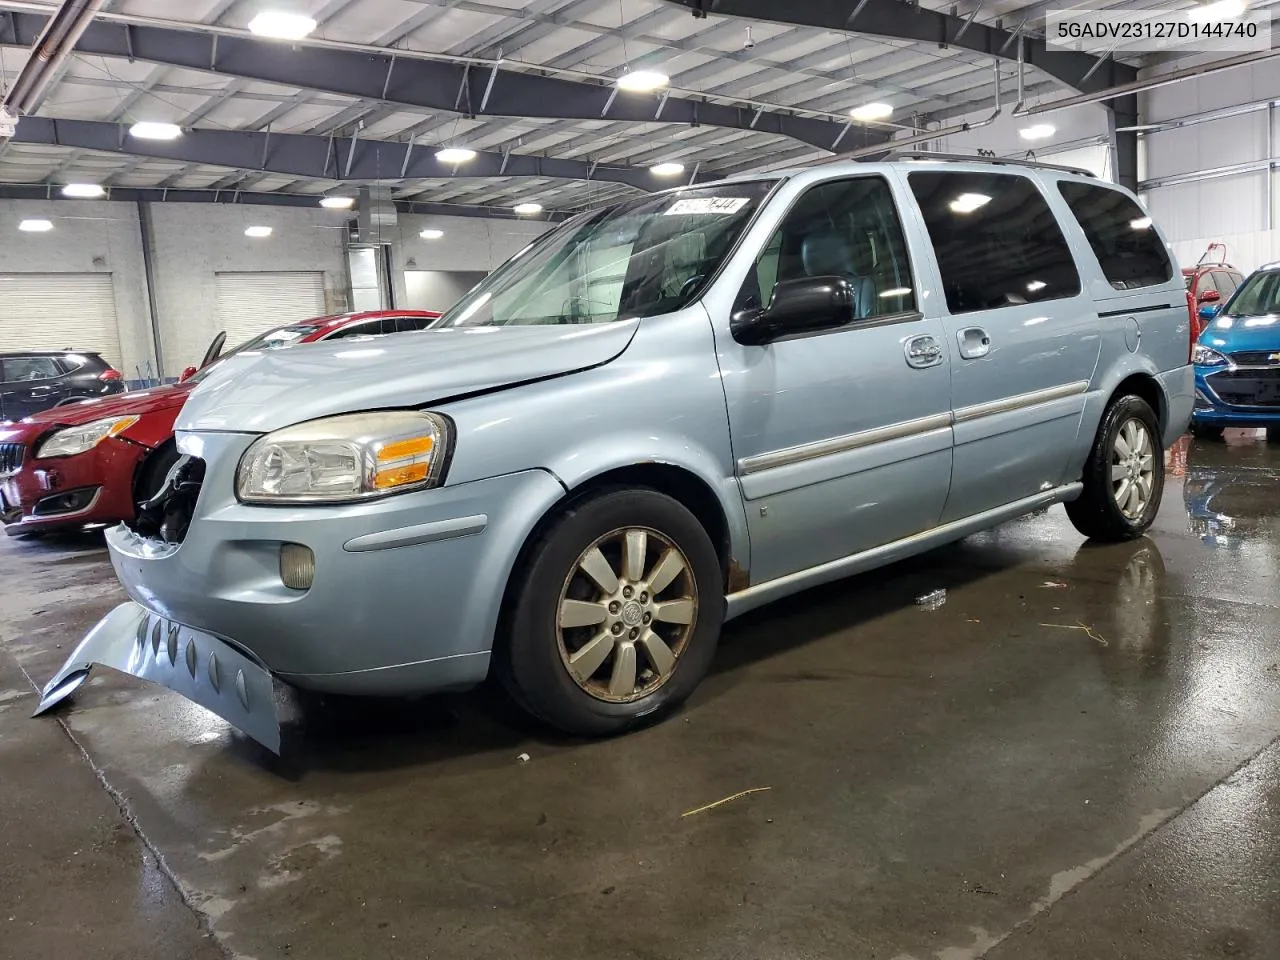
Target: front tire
column 1124, row 475
column 615, row 616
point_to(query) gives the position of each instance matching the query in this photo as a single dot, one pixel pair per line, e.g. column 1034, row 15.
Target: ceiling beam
column 18, row 191
column 910, row 21
column 323, row 158
column 408, row 80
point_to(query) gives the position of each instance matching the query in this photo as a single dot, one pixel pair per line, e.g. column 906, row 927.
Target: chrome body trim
column 788, row 456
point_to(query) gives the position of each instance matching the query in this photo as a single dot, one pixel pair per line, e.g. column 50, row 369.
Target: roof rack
column 961, row 158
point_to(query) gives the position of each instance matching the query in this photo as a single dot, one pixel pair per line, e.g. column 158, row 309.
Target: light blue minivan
column 657, row 416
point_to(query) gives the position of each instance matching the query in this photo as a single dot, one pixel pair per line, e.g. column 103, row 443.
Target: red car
column 95, row 461
column 1209, row 281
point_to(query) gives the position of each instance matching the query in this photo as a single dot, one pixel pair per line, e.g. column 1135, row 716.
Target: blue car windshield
column 645, row 257
column 1259, row 296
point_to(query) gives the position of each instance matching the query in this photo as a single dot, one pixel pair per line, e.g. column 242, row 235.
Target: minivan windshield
column 645, row 257
column 1259, row 296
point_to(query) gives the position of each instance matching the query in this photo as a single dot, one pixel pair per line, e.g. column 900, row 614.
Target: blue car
column 1237, row 360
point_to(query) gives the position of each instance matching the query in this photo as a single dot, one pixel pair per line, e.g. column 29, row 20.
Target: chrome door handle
column 923, row 352
column 974, row 343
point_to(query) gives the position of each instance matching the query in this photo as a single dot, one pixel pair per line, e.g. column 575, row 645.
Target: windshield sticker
column 693, row 205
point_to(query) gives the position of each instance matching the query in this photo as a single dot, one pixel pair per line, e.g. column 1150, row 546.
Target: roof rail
column 961, row 158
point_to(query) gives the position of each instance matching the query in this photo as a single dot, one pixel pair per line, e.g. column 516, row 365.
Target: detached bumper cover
column 199, row 666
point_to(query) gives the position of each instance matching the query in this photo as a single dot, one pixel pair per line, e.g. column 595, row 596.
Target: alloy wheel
column 1133, row 468
column 625, row 615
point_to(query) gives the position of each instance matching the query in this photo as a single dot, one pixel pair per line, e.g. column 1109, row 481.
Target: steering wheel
column 691, row 284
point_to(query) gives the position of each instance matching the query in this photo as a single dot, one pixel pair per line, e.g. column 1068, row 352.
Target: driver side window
column 849, row 229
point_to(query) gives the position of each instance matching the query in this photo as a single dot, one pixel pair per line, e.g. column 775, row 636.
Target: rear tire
column 1206, row 432
column 615, row 616
column 1124, row 475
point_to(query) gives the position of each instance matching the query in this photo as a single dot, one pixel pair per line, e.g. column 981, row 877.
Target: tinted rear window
column 998, row 243
column 1128, row 248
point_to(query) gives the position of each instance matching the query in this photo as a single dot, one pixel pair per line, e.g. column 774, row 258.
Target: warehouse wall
column 195, row 241
column 89, row 236
column 1235, row 209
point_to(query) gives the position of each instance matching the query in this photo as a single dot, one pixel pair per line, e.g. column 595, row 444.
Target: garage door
column 55, row 311
column 251, row 303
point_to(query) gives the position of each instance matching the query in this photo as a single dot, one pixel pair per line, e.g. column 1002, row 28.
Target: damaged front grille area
column 167, row 515
column 11, row 457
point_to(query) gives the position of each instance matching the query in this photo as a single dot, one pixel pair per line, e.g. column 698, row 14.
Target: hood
column 139, row 403
column 259, row 391
column 116, row 405
column 1231, row 334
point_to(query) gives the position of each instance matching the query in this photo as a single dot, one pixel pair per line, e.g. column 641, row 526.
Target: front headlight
column 1204, row 357
column 72, row 440
column 340, row 459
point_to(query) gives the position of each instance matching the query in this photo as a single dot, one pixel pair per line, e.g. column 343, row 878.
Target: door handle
column 974, row 343
column 41, row 391
column 923, row 352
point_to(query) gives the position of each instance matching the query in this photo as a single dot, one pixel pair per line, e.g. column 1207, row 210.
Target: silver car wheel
column 626, row 612
column 1133, row 466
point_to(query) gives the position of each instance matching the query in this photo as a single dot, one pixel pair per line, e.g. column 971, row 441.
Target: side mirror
column 1209, row 311
column 803, row 305
column 186, row 374
column 1209, row 296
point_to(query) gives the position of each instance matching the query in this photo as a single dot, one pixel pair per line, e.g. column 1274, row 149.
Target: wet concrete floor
column 1076, row 755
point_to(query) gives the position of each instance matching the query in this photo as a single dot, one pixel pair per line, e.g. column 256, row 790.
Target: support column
column 1123, row 112
column 147, row 233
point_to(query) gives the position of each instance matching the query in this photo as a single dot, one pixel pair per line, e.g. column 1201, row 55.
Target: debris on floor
column 721, row 803
column 1093, row 635
column 932, row 600
column 1054, row 585
column 523, row 758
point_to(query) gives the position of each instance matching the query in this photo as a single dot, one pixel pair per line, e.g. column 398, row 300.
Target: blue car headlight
column 1203, row 356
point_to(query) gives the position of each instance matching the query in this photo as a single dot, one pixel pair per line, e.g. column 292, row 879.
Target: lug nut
column 627, row 592
column 648, row 618
column 644, row 598
column 617, row 629
column 615, row 607
column 635, row 632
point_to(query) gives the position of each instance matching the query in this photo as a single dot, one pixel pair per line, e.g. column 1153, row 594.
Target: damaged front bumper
column 199, row 666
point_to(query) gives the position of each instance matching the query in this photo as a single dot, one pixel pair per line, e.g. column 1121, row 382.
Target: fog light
column 297, row 566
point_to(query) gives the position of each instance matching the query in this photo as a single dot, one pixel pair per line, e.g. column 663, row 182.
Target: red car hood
column 143, row 402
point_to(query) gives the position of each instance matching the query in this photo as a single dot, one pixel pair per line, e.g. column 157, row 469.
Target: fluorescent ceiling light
column 282, row 26
column 1215, row 12
column 431, row 234
column 1036, row 285
column 642, row 81
column 35, row 226
column 527, row 208
column 895, row 292
column 667, row 169
column 258, row 232
column 872, row 111
column 455, row 155
column 1142, row 223
column 969, row 202
column 147, row 130
column 1037, row 131
column 83, row 191
column 338, row 203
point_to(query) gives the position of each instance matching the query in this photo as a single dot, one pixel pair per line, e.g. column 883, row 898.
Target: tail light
column 110, row 375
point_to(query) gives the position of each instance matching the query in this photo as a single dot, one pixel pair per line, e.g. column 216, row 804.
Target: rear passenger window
column 1120, row 233
column 998, row 244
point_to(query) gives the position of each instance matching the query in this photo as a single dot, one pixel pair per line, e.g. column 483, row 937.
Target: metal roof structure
column 381, row 85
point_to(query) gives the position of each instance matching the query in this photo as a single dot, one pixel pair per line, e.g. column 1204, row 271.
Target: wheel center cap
column 632, row 613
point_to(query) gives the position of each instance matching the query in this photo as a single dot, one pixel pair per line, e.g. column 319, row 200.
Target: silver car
column 656, row 417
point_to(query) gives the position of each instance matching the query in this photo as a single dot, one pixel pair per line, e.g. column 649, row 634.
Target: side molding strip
column 906, row 428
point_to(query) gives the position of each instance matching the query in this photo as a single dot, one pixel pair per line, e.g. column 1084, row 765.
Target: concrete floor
column 986, row 779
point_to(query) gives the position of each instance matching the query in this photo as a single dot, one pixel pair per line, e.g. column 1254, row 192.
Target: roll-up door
column 251, row 303
column 56, row 311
